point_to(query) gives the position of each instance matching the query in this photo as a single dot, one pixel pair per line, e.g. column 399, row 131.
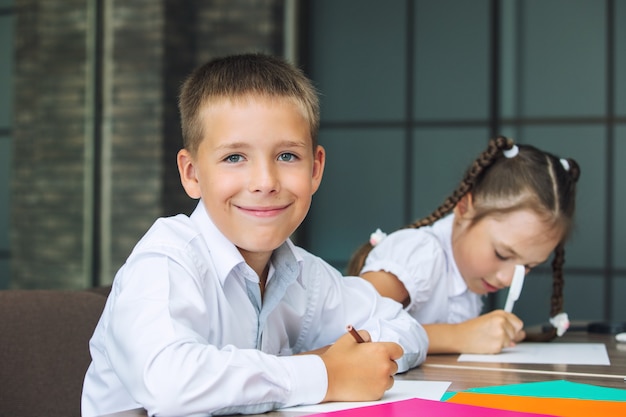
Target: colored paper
column 419, row 407
column 401, row 390
column 565, row 407
column 546, row 353
column 556, row 389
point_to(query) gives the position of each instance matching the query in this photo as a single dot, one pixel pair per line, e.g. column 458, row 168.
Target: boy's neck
column 260, row 263
column 256, row 260
column 263, row 281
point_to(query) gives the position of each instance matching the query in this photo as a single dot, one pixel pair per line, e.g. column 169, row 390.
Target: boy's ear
column 465, row 206
column 319, row 161
column 187, row 171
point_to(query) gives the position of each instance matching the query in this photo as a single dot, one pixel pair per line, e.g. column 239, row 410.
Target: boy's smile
column 255, row 171
column 262, row 211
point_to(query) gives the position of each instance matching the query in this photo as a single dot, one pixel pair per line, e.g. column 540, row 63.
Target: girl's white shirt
column 423, row 261
column 184, row 331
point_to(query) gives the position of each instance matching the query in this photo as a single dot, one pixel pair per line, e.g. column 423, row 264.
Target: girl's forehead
column 525, row 225
column 522, row 236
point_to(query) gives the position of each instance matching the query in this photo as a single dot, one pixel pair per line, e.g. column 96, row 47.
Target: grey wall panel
column 357, row 58
column 451, row 60
column 563, row 58
column 362, row 189
column 440, row 158
column 619, row 20
column 619, row 192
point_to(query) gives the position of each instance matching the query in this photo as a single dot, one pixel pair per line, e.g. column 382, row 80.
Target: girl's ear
column 187, row 171
column 465, row 206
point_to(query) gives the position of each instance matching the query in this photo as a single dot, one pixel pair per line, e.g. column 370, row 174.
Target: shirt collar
column 226, row 256
column 287, row 261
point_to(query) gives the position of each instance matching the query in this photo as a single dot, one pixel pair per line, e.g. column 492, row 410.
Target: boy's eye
column 287, row 157
column 233, row 158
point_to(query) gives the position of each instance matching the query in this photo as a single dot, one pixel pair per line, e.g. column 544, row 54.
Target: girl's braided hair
column 533, row 179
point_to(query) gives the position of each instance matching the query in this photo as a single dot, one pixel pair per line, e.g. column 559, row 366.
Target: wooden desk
column 464, row 375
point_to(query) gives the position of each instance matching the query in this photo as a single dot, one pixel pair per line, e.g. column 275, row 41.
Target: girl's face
column 486, row 252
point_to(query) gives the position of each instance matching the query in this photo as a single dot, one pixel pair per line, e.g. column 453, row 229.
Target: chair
column 44, row 351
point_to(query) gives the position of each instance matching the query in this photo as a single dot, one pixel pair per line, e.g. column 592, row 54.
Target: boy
column 219, row 313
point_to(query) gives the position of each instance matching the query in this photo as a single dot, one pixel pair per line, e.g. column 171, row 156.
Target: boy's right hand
column 360, row 371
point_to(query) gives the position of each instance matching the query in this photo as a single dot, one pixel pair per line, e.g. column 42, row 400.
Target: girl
column 514, row 206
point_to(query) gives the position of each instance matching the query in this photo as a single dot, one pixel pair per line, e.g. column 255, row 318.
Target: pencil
column 355, row 334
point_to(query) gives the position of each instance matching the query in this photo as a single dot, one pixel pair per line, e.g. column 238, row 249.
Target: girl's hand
column 491, row 332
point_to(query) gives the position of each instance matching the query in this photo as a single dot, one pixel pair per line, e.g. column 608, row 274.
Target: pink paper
column 423, row 408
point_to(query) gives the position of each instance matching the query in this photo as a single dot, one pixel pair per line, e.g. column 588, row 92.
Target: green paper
column 447, row 395
column 554, row 389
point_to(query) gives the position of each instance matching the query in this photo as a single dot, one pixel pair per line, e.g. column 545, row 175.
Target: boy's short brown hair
column 241, row 76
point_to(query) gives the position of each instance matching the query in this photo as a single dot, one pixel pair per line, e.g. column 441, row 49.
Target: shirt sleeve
column 415, row 257
column 156, row 346
column 353, row 300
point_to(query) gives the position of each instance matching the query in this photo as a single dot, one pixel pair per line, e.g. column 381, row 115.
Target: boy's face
column 486, row 252
column 255, row 171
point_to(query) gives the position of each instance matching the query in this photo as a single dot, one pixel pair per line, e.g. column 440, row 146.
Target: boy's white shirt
column 423, row 261
column 184, row 333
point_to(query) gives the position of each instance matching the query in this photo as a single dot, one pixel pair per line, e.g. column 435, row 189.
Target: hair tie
column 565, row 164
column 511, row 153
column 561, row 323
column 377, row 237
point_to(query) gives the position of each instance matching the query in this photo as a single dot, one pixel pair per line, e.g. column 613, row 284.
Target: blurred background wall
column 95, row 130
column 411, row 91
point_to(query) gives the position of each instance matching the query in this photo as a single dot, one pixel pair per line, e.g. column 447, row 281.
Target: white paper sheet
column 547, row 353
column 401, row 390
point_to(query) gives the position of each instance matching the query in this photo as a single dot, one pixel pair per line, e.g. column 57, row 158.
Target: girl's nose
column 505, row 275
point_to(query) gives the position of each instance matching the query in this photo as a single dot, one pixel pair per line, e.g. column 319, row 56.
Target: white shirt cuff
column 310, row 379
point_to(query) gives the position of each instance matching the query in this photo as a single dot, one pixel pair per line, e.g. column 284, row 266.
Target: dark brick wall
column 133, row 118
column 149, row 46
column 47, row 184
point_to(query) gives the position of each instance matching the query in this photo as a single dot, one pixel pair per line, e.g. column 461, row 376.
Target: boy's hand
column 491, row 332
column 360, row 371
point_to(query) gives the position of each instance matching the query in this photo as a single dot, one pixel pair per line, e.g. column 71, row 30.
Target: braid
column 556, row 301
column 483, row 161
